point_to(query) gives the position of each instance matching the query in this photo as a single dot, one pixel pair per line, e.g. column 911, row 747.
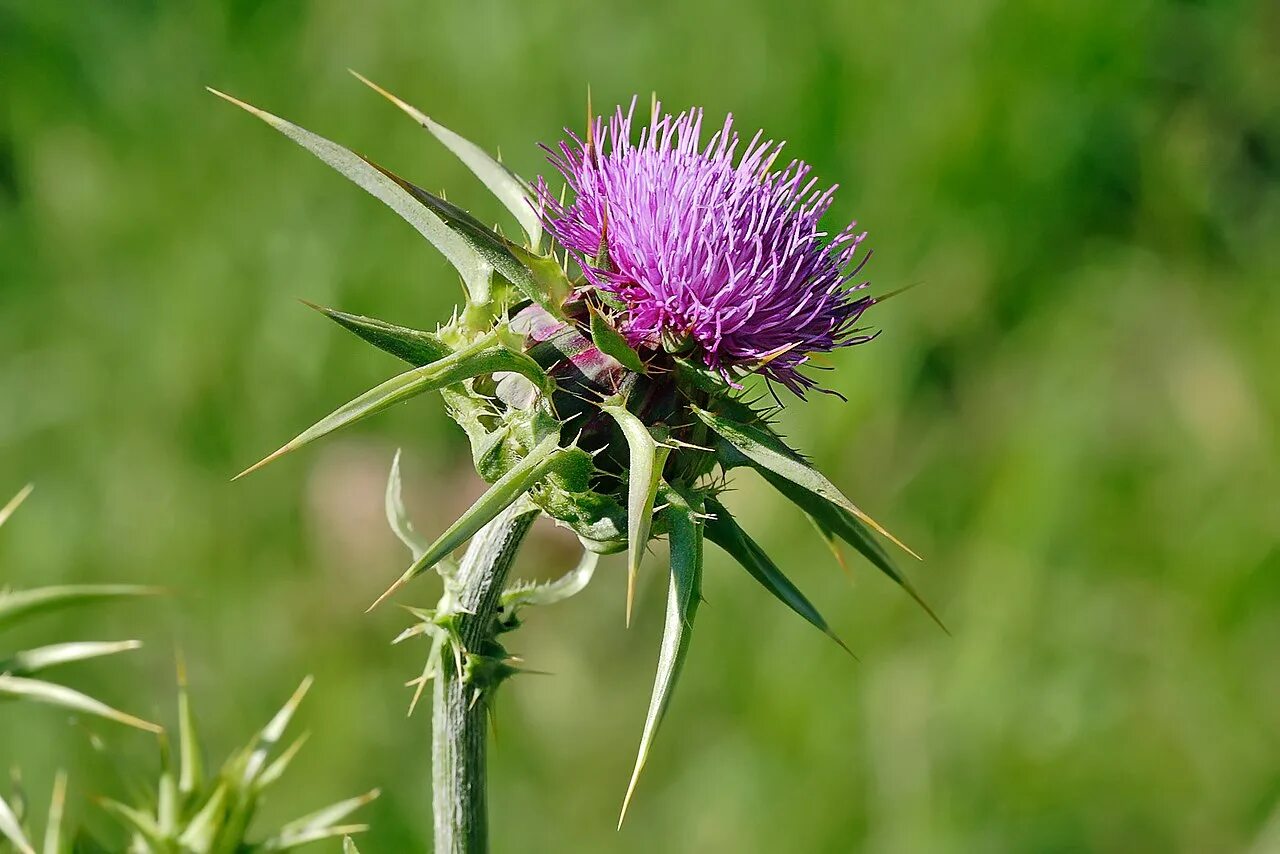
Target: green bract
column 563, row 415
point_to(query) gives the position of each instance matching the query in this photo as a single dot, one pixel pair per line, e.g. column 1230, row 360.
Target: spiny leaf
column 135, row 818
column 768, row 453
column 53, row 824
column 190, row 759
column 281, row 763
column 270, row 735
column 278, row 844
column 505, row 490
column 397, row 516
column 202, row 830
column 35, row 690
column 482, row 357
column 723, row 530
column 474, row 271
column 15, row 503
column 30, row 661
column 611, row 343
column 11, row 828
column 20, row 604
column 646, row 458
column 683, row 597
column 414, row 346
column 569, row 584
column 842, row 523
column 512, row 190
column 327, row 817
column 537, row 277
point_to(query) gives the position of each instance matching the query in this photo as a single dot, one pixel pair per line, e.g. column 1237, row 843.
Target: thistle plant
column 612, row 363
column 20, row 671
column 191, row 812
column 21, row 678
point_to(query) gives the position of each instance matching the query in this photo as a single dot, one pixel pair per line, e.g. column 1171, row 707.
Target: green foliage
column 19, row 669
column 188, row 811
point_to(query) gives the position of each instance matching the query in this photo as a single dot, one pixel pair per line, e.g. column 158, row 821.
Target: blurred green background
column 1074, row 418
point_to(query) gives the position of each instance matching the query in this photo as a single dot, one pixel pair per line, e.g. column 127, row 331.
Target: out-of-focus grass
column 1073, row 418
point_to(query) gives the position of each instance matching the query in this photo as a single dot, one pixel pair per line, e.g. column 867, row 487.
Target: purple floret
column 729, row 260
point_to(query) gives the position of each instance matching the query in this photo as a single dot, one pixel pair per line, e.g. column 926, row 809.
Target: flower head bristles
column 703, row 253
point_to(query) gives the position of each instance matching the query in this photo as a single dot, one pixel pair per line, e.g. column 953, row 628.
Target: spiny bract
column 604, row 383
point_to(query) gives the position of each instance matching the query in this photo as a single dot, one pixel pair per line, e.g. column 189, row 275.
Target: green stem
column 459, row 721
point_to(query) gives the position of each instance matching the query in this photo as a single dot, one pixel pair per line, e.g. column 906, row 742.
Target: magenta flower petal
column 708, row 246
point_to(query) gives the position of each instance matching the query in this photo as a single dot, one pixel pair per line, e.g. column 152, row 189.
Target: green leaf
column 203, row 829
column 11, row 828
column 34, row 690
column 683, row 597
column 842, row 523
column 768, row 453
column 279, row 844
column 548, row 593
column 31, row 661
column 57, row 806
column 512, row 190
column 414, row 346
column 723, row 530
column 538, row 277
column 482, row 357
column 270, row 735
column 515, row 483
column 190, row 758
column 21, row 604
column 135, row 819
column 398, row 516
column 610, row 342
column 323, row 819
column 474, row 271
column 349, row 847
column 15, row 503
column 646, row 461
column 281, row 763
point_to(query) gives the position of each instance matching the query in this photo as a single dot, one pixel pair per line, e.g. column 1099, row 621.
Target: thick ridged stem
column 459, row 720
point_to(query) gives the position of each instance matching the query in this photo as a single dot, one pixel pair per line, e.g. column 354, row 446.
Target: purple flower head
column 727, row 261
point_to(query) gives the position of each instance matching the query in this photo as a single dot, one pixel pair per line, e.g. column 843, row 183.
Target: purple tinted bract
column 728, row 258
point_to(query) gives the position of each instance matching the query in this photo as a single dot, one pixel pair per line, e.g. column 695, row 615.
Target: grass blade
column 474, row 271
column 32, row 661
column 15, row 502
column 190, row 758
column 57, row 806
column 11, row 828
column 21, row 604
column 19, row 688
column 683, row 598
column 512, row 190
column 723, row 530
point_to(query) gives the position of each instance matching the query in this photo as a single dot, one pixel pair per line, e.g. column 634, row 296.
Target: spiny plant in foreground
column 601, row 368
column 190, row 812
column 19, row 672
